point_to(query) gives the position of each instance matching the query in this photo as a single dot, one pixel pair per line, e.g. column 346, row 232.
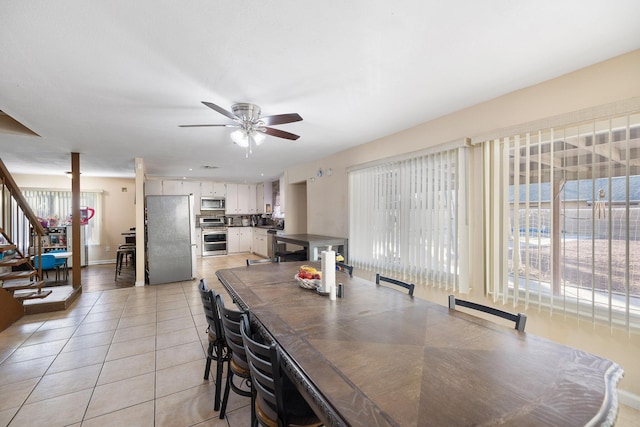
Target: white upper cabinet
column 153, row 187
column 251, row 199
column 172, row 188
column 232, row 199
column 241, row 199
column 220, row 189
column 216, row 189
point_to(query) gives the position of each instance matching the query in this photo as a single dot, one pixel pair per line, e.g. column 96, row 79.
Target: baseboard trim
column 629, row 399
column 104, row 261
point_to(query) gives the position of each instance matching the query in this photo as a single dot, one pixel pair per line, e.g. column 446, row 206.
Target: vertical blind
column 408, row 219
column 563, row 219
column 57, row 206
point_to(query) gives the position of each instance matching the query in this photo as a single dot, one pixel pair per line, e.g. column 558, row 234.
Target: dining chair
column 409, row 286
column 345, row 267
column 277, row 401
column 217, row 349
column 237, row 365
column 121, row 256
column 48, row 263
column 519, row 319
column 263, row 260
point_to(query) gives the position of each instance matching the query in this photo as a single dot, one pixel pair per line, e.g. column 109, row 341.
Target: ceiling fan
column 251, row 128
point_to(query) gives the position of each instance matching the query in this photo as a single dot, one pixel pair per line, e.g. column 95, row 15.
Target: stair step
column 16, row 285
column 4, row 248
column 12, row 262
column 25, row 295
column 10, row 275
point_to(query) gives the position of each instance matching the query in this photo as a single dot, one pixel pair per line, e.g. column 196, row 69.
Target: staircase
column 21, row 284
column 21, row 234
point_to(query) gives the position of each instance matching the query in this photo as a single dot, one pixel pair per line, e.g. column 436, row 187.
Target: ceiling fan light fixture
column 258, row 137
column 240, row 137
column 251, row 128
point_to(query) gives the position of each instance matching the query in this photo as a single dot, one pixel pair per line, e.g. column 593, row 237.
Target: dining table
column 379, row 357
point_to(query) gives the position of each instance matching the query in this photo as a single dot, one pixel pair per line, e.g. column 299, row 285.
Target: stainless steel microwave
column 212, row 204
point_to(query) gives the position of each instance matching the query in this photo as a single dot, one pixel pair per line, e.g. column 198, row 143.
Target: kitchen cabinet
column 232, row 199
column 217, row 189
column 251, row 199
column 239, row 199
column 264, row 196
column 260, row 238
column 239, row 239
column 172, row 188
column 153, row 187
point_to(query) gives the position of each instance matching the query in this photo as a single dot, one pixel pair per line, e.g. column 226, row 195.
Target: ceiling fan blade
column 220, row 110
column 280, row 119
column 198, row 126
column 279, row 133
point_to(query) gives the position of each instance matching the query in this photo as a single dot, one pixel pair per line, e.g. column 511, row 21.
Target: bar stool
column 132, row 254
column 122, row 254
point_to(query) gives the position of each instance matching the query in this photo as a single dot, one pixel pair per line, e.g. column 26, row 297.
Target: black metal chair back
column 345, row 267
column 217, row 349
column 409, row 286
column 238, row 365
column 277, row 400
column 519, row 319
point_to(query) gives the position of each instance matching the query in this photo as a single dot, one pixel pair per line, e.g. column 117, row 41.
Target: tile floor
column 119, row 356
column 133, row 356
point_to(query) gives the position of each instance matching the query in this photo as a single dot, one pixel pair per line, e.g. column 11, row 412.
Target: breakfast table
column 378, row 357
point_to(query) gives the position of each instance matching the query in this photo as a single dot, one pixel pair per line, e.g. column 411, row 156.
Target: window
column 407, row 218
column 564, row 219
column 55, row 207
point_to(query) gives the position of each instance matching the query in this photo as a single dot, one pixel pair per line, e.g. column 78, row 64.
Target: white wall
column 614, row 80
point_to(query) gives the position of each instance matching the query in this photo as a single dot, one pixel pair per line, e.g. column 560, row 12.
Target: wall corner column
column 140, row 227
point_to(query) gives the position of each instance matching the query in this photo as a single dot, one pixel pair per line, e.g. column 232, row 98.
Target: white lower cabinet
column 239, row 239
column 260, row 242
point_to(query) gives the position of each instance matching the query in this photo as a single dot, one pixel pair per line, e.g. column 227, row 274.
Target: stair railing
column 18, row 224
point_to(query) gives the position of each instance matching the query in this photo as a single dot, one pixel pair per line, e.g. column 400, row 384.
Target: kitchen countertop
column 266, row 227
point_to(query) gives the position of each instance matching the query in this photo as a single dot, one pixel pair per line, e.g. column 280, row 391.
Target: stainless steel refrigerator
column 169, row 237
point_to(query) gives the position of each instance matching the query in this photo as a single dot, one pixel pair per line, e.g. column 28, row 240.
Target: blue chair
column 60, row 262
column 48, row 263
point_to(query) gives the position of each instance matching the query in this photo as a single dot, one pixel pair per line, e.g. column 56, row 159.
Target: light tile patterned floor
column 123, row 357
column 132, row 356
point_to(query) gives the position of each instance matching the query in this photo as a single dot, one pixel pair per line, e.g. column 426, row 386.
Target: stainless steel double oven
column 214, row 235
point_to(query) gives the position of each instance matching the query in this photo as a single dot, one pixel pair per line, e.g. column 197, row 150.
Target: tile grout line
column 49, row 367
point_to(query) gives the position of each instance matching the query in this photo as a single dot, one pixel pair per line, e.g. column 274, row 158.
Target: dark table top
column 378, row 357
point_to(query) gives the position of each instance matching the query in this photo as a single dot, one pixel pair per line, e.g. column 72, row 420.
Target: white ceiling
column 112, row 80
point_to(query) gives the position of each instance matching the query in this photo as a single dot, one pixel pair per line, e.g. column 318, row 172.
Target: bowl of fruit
column 308, row 277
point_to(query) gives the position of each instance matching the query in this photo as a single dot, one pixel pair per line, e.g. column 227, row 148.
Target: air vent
column 209, row 167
